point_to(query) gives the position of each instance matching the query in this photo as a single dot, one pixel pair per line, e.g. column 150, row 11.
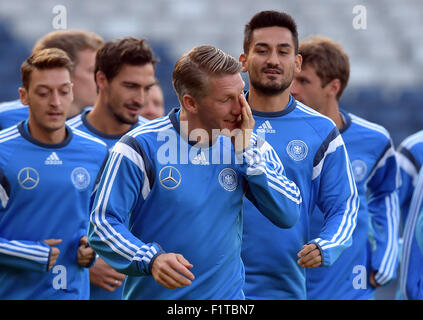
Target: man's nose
column 140, row 97
column 55, row 98
column 273, row 59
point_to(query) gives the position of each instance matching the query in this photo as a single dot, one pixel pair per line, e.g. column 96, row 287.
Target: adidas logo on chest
column 266, row 127
column 53, row 159
column 200, row 159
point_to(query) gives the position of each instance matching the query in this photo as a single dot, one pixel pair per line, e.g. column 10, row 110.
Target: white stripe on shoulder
column 12, row 105
column 135, row 157
column 312, row 112
column 406, row 165
column 369, row 125
column 412, row 140
column 9, row 134
column 333, row 145
column 87, row 136
column 152, row 128
column 8, row 130
column 382, row 161
column 307, row 109
column 157, row 123
column 75, row 124
column 72, row 122
column 142, row 120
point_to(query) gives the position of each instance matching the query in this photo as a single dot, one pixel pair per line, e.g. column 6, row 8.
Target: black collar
column 23, row 130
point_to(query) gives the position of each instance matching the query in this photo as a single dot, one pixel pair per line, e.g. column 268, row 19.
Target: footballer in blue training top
column 48, row 172
column 371, row 260
column 124, row 73
column 183, row 196
column 314, row 157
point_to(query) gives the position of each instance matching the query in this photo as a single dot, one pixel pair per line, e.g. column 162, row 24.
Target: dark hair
column 43, row 60
column 328, row 59
column 265, row 19
column 114, row 54
column 193, row 69
column 70, row 41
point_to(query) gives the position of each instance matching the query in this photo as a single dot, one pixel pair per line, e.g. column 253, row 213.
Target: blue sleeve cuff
column 159, row 252
column 322, row 253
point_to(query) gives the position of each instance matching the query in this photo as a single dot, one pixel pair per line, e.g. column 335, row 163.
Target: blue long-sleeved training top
column 12, row 112
column 410, row 159
column 45, row 194
column 80, row 122
column 182, row 198
column 376, row 174
column 314, row 156
column 411, row 273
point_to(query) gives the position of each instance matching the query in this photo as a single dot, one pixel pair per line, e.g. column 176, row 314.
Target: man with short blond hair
column 183, row 237
column 48, row 172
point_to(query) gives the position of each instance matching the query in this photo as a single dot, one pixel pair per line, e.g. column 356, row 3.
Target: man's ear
column 243, row 60
column 23, row 96
column 333, row 87
column 101, row 80
column 190, row 103
column 298, row 63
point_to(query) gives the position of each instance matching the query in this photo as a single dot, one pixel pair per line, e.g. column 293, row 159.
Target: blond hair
column 328, row 58
column 193, row 69
column 42, row 60
column 70, row 41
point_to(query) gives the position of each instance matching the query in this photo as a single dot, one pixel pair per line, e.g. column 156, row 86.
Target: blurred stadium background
column 386, row 83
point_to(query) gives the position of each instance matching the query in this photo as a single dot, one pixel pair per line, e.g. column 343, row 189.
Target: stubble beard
column 121, row 117
column 126, row 120
column 273, row 88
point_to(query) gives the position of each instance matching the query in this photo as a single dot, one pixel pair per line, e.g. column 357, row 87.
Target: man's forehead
column 56, row 77
column 50, row 85
column 86, row 55
column 232, row 82
column 273, row 36
column 136, row 73
column 308, row 68
column 136, row 68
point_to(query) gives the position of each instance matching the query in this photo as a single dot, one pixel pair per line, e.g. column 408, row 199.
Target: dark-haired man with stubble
column 124, row 74
column 314, row 157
